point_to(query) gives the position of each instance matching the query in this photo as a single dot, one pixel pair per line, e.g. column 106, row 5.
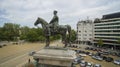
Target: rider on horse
column 54, row 22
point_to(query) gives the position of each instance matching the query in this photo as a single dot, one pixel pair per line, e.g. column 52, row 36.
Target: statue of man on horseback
column 54, row 22
column 53, row 28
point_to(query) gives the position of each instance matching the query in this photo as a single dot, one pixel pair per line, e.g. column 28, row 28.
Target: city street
column 17, row 55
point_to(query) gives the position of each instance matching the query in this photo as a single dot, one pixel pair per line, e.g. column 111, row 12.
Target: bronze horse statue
column 61, row 29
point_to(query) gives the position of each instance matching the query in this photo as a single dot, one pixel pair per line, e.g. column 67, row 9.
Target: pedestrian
column 29, row 60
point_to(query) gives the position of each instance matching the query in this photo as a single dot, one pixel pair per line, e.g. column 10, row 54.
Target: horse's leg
column 47, row 41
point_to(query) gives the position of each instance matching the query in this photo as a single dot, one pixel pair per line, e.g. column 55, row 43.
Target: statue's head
column 55, row 12
column 36, row 22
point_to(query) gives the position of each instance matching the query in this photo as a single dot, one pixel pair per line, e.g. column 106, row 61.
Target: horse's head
column 37, row 22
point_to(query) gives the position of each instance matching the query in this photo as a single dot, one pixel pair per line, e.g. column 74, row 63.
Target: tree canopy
column 14, row 32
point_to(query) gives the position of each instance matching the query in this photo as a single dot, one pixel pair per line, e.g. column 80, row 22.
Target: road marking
column 13, row 59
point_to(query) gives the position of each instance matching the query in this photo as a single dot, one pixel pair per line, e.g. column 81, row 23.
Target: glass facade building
column 108, row 29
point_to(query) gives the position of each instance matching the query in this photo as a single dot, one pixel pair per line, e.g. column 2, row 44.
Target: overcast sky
column 25, row 12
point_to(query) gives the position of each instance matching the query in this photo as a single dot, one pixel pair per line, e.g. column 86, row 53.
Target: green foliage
column 10, row 31
column 32, row 35
column 1, row 34
column 73, row 36
column 100, row 42
column 118, row 41
column 56, row 37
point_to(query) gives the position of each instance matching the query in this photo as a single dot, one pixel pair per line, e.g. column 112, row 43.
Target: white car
column 89, row 64
column 83, row 55
column 31, row 53
column 117, row 62
column 97, row 65
column 83, row 64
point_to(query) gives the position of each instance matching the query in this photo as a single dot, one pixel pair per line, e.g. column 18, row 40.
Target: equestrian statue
column 53, row 28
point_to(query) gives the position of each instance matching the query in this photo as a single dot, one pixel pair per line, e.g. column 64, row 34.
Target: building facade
column 107, row 29
column 84, row 32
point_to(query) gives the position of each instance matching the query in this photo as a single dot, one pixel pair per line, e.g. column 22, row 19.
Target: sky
column 26, row 12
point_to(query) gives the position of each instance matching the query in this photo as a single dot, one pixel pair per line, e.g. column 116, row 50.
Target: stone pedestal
column 55, row 56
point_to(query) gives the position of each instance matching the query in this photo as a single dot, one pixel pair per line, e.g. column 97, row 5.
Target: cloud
column 25, row 12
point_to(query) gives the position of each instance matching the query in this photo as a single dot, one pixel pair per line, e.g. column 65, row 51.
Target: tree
column 32, row 35
column 11, row 31
column 23, row 32
column 119, row 41
column 100, row 42
column 1, row 34
column 73, row 36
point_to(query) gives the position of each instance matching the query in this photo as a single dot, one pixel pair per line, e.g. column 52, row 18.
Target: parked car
column 83, row 63
column 113, row 53
column 97, row 65
column 89, row 64
column 98, row 54
column 97, row 57
column 106, row 53
column 77, row 60
column 83, row 55
column 104, row 57
column 109, row 59
column 87, row 48
column 118, row 54
column 117, row 62
column 0, row 46
column 31, row 53
column 87, row 53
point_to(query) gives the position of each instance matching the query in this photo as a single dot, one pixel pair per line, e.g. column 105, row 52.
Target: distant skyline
column 25, row 12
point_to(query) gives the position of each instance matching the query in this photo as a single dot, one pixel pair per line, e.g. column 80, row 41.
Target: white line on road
column 13, row 59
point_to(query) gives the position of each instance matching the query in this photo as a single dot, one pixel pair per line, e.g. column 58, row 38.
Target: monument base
column 55, row 56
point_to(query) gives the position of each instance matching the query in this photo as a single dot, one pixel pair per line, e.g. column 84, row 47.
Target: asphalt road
column 17, row 55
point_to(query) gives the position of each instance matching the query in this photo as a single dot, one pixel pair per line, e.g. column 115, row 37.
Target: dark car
column 0, row 46
column 118, row 54
column 87, row 53
column 113, row 53
column 98, row 54
column 104, row 57
column 87, row 48
column 109, row 59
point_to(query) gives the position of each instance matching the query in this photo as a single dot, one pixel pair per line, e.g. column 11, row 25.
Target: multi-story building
column 84, row 32
column 108, row 30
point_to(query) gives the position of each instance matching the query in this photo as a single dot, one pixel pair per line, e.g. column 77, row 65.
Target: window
column 90, row 34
